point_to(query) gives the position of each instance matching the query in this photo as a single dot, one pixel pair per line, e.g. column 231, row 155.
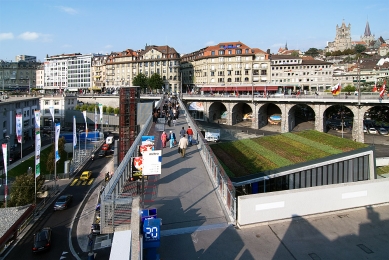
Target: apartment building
column 99, row 76
column 122, row 67
column 18, row 75
column 39, row 76
column 225, row 67
column 295, row 73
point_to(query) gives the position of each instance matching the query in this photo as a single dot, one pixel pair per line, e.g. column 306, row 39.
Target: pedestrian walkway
column 183, row 194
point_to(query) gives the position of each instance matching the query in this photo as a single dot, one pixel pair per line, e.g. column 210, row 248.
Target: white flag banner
column 74, row 132
column 57, row 131
column 52, row 112
column 37, row 143
column 86, row 125
column 19, row 124
column 101, row 113
column 95, row 118
column 5, row 158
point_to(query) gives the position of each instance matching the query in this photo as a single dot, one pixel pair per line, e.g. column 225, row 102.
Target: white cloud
column 6, row 36
column 68, row 10
column 29, row 36
column 210, row 43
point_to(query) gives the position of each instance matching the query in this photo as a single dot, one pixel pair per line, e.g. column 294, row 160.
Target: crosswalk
column 78, row 182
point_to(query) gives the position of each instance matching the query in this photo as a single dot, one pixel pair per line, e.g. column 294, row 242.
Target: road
column 60, row 221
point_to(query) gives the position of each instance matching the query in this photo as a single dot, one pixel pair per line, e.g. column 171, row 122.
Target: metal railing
column 116, row 198
column 220, row 180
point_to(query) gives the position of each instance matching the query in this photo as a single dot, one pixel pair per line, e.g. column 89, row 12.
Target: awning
column 239, row 88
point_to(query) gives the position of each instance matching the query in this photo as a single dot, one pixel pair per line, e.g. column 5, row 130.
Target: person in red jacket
column 190, row 135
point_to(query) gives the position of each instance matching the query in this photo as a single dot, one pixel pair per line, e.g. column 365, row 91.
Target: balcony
column 110, row 74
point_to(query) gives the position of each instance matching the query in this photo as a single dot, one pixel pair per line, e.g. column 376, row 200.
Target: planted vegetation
column 249, row 156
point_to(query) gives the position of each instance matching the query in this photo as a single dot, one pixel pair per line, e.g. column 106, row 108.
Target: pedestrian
column 182, row 132
column 174, row 122
column 169, row 121
column 163, row 139
column 172, row 139
column 190, row 135
column 183, row 144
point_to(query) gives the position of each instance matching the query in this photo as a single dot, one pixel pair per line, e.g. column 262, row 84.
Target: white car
column 372, row 131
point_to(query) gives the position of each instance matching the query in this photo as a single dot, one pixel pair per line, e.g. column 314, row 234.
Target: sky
column 53, row 27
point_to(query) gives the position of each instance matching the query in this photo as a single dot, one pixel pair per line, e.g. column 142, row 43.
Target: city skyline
column 41, row 27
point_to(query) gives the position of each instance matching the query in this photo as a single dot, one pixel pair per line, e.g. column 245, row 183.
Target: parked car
column 42, row 240
column 102, row 153
column 383, row 131
column 105, row 147
column 372, row 131
column 63, row 202
column 85, row 175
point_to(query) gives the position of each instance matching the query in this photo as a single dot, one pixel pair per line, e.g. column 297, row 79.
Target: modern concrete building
column 225, row 66
column 60, row 103
column 123, row 66
column 68, row 72
column 10, row 106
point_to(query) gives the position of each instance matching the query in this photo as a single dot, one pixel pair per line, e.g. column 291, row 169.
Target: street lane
column 61, row 221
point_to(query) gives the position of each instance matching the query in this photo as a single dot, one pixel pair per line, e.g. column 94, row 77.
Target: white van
column 109, row 140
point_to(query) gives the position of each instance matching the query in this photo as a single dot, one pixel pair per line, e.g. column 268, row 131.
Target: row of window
column 302, row 67
column 301, row 73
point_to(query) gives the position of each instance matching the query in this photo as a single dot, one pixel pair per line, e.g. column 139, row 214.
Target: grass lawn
column 250, row 156
column 30, row 162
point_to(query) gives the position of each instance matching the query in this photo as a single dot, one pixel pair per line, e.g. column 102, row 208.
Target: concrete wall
column 264, row 207
column 382, row 161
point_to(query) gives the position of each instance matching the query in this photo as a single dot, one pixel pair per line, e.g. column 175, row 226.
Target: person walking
column 183, row 144
column 190, row 135
column 172, row 139
column 182, row 132
column 163, row 139
column 169, row 121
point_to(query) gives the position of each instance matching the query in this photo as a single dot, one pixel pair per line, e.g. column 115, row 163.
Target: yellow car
column 85, row 175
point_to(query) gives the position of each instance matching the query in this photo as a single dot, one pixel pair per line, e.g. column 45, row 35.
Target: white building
column 68, row 72
column 60, row 104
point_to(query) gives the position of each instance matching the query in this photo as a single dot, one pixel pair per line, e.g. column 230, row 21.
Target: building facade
column 9, row 108
column 18, row 75
column 294, row 73
column 122, row 67
column 367, row 37
column 68, row 72
column 25, row 58
column 224, row 66
column 99, row 76
column 60, row 104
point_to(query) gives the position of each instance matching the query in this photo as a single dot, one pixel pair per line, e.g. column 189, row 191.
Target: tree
column 155, row 81
column 141, row 81
column 348, row 88
column 295, row 54
column 359, row 48
column 23, row 189
column 313, row 52
column 51, row 157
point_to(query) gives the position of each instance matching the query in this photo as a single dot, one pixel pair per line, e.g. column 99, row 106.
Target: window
column 212, row 53
column 46, row 102
column 56, row 102
column 221, row 52
column 56, row 111
column 238, row 51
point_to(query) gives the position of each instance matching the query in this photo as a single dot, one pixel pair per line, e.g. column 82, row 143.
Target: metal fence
column 116, row 198
column 219, row 178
